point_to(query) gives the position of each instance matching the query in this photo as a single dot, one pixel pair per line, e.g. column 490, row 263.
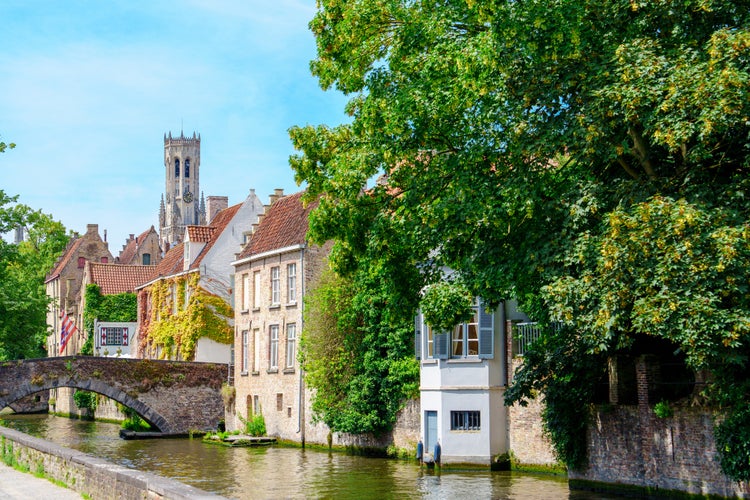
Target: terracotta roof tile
column 200, row 234
column 116, row 278
column 284, row 224
column 172, row 261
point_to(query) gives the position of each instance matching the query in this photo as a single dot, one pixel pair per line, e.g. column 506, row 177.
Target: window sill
column 275, row 306
column 256, row 309
column 255, row 373
column 291, row 304
column 243, row 374
column 430, row 361
column 289, row 370
column 471, row 361
column 272, row 370
column 245, row 311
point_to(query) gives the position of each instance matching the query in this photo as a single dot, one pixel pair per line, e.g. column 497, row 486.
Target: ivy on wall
column 118, row 307
column 178, row 320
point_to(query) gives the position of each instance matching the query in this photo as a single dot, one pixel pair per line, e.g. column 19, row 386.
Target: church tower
column 180, row 205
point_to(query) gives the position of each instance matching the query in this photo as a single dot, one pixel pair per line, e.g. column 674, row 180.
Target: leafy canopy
column 586, row 157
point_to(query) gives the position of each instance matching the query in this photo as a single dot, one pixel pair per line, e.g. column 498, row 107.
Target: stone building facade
column 143, row 250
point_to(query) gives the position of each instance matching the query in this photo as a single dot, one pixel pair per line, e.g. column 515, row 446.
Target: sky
column 88, row 89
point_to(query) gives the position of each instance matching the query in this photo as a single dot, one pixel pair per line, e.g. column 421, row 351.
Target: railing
column 526, row 334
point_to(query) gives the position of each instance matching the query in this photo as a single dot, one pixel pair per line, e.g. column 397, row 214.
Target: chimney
column 277, row 193
column 214, row 204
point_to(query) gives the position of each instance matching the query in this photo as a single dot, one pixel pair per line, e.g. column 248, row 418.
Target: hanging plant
column 446, row 304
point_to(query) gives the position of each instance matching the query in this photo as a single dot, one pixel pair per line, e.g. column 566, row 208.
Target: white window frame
column 273, row 347
column 275, row 286
column 246, row 291
column 291, row 344
column 256, row 350
column 245, row 359
column 256, row 290
column 291, row 283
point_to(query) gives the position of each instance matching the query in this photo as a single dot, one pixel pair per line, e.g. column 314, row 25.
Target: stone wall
column 91, row 476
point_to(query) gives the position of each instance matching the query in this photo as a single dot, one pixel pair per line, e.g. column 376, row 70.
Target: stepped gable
column 172, row 261
column 115, row 278
column 64, row 258
column 218, row 225
column 131, row 247
column 285, row 224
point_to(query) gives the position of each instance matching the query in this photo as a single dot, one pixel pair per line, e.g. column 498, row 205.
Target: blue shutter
column 441, row 344
column 486, row 332
column 418, row 335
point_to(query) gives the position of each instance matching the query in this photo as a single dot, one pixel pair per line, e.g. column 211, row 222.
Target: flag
column 67, row 329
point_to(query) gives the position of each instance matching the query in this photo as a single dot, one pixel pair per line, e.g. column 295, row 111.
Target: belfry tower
column 180, row 206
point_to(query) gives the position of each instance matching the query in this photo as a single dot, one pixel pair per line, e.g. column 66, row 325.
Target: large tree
column 23, row 266
column 589, row 158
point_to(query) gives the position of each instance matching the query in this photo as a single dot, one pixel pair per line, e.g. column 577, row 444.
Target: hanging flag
column 67, row 329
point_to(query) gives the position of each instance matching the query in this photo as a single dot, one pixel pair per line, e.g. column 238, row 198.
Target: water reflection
column 279, row 472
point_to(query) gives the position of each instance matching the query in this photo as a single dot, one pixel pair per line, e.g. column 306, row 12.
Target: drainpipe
column 301, row 402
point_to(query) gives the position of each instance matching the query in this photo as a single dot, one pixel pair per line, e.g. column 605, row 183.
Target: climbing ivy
column 118, row 307
column 202, row 315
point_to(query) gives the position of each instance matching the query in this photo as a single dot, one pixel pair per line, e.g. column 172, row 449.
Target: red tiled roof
column 116, row 278
column 200, row 234
column 172, row 261
column 64, row 258
column 284, row 224
column 218, row 224
column 131, row 247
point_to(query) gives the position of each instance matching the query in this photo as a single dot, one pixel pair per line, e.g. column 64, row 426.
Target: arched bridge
column 175, row 397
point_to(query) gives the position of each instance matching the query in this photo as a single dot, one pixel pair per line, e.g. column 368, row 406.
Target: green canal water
column 282, row 472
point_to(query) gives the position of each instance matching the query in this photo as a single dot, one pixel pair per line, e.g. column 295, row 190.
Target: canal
column 282, row 472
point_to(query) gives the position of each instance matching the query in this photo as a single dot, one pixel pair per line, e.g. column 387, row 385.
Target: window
column 473, row 339
column 465, row 338
column 245, row 292
column 245, row 359
column 465, row 420
column 256, row 290
column 146, row 259
column 81, row 262
column 275, row 286
column 279, row 401
column 291, row 283
column 187, row 167
column 173, row 295
column 273, row 348
column 176, row 167
column 291, row 342
column 113, row 335
column 256, row 350
column 104, row 260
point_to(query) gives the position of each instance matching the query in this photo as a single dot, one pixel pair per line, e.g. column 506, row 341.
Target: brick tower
column 180, row 205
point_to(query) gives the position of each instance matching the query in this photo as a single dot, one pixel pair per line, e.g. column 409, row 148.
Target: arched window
column 176, row 167
column 187, row 167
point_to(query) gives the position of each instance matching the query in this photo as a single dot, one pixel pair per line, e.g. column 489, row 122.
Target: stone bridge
column 175, row 397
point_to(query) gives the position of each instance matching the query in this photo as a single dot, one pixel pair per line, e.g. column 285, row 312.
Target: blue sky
column 89, row 88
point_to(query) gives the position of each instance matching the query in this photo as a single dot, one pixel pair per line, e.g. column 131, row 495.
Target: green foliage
column 204, row 315
column 359, row 363
column 121, row 307
column 23, row 267
column 587, row 158
column 733, row 442
column 446, row 304
column 133, row 421
column 255, row 425
column 85, row 400
column 663, row 410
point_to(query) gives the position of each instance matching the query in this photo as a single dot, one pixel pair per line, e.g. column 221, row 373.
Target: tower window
column 187, row 167
column 176, row 167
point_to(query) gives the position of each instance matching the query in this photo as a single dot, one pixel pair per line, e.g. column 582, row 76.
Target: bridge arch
column 174, row 397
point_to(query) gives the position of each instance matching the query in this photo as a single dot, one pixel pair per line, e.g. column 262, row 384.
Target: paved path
column 21, row 486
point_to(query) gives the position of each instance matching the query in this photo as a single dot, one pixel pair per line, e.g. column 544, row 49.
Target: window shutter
column 486, row 332
column 442, row 343
column 418, row 335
